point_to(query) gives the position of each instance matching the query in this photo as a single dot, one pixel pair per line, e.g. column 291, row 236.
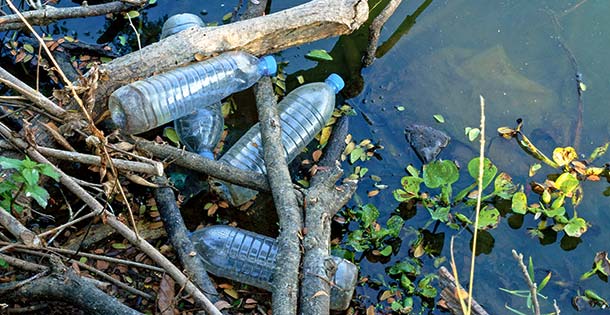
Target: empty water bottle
column 303, row 113
column 250, row 258
column 179, row 22
column 149, row 103
column 199, row 131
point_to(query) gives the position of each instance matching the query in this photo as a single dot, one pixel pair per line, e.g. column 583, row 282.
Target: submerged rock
column 426, row 141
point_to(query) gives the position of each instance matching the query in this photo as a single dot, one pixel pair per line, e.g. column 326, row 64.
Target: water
column 453, row 51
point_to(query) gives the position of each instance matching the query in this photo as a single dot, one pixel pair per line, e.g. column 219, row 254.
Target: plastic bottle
column 250, row 258
column 146, row 104
column 200, row 130
column 303, row 113
column 179, row 22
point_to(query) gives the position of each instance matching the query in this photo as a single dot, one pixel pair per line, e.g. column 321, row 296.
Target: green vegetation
column 24, row 180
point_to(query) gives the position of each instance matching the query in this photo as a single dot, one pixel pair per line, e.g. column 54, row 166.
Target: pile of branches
column 68, row 120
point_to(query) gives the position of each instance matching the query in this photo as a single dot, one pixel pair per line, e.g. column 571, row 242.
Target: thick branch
column 178, row 236
column 322, row 201
column 451, row 294
column 200, row 164
column 375, row 30
column 65, row 286
column 267, row 34
column 286, row 275
column 51, row 14
column 36, row 97
column 18, row 230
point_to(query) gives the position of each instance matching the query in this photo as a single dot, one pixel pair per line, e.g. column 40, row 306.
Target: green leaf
column 425, row 286
column 105, row 59
column 119, row 246
column 132, row 14
column 394, row 225
column 489, row 170
column 519, row 203
column 411, row 184
column 438, row 173
column 440, row 214
column 473, row 134
column 412, row 170
column 567, row 183
column 463, row 218
column 29, row 48
column 227, row 17
column 3, row 263
column 544, row 282
column 319, row 55
column 488, row 218
column 400, row 108
column 368, row 215
column 554, row 213
column 83, row 260
column 513, row 310
column 363, row 172
column 406, row 266
column 37, row 193
column 464, row 192
column 439, row 118
column 171, row 134
column 599, row 151
column 407, row 284
column 122, row 40
column 355, row 154
column 575, row 227
column 387, row 251
column 8, row 163
column 504, row 187
column 152, row 1
column 530, row 268
column 31, row 176
column 48, row 170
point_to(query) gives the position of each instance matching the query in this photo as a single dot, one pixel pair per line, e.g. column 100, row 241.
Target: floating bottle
column 303, row 113
column 250, row 258
column 180, row 22
column 200, row 130
column 149, row 103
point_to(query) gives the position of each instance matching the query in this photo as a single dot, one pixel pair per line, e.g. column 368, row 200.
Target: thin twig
column 18, row 230
column 22, row 264
column 478, row 207
column 530, row 283
column 557, row 310
column 42, row 101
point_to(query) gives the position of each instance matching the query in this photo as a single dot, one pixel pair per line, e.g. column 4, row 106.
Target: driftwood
column 286, row 274
column 51, row 14
column 449, row 294
column 375, row 31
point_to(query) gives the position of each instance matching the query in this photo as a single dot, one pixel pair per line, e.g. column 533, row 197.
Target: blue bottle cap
column 267, row 65
column 207, row 154
column 335, row 81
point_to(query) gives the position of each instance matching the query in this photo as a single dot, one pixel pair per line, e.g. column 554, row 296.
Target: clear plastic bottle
column 250, row 258
column 303, row 113
column 200, row 130
column 149, row 103
column 179, row 22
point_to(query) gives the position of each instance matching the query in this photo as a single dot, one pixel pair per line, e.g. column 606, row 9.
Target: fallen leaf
column 373, row 193
column 316, row 155
column 166, row 295
column 320, row 293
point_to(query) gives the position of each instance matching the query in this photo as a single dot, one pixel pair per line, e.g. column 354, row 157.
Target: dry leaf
column 212, row 210
column 223, row 204
column 166, row 295
column 232, row 293
column 155, row 225
column 385, row 295
column 141, row 181
column 225, row 286
column 102, row 264
column 221, row 305
column 316, row 155
column 373, row 193
column 320, row 293
column 370, row 310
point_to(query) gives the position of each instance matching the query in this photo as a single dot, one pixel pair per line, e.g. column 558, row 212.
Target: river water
column 437, row 57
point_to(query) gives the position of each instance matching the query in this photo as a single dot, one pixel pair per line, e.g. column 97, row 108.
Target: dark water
column 437, row 58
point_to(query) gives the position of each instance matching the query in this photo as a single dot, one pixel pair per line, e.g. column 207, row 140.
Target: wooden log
column 267, row 34
column 450, row 297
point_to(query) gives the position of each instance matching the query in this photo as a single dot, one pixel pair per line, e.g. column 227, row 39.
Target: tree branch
column 200, row 164
column 375, row 30
column 179, row 237
column 18, row 230
column 51, row 14
column 286, row 274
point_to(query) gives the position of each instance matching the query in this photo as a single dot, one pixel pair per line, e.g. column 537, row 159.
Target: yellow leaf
column 320, row 293
column 232, row 293
column 419, row 251
column 373, row 193
column 370, row 310
column 563, row 156
column 385, row 295
column 325, row 134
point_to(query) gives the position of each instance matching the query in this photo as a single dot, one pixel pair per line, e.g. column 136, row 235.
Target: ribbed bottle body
column 303, row 113
column 237, row 254
column 180, row 22
column 250, row 258
column 149, row 103
column 200, row 131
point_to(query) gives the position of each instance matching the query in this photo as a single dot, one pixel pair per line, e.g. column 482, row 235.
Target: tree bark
column 286, row 275
column 64, row 285
column 51, row 14
column 179, row 237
